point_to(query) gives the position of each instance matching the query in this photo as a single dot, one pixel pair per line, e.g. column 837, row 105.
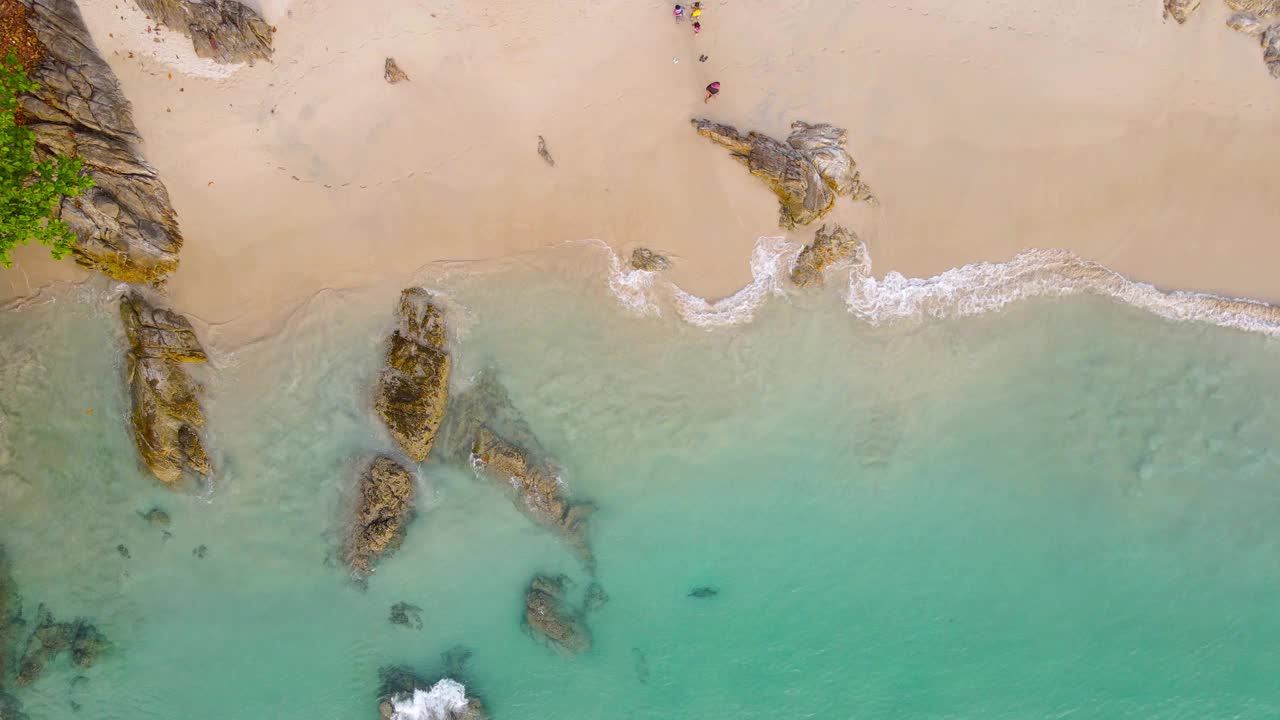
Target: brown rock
column 826, row 249
column 166, row 416
column 806, row 173
column 413, row 389
column 384, row 508
column 392, row 73
column 221, row 30
column 125, row 225
column 538, row 492
column 646, row 259
column 1271, row 50
column 544, row 613
column 1180, row 10
column 485, row 403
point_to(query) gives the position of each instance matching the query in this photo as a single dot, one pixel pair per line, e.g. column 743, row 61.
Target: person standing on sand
column 712, row 90
column 679, row 13
column 697, row 28
column 697, row 10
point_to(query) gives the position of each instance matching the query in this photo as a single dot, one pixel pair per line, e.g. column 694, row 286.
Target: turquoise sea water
column 1066, row 508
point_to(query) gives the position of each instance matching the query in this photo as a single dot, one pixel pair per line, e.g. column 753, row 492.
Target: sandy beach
column 984, row 128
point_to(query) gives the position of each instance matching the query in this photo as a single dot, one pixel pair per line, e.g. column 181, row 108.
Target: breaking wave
column 446, row 700
column 964, row 291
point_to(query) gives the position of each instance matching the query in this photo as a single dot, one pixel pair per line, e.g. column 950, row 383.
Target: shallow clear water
column 1065, row 508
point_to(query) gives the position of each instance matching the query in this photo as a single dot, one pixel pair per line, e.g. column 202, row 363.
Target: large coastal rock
column 384, row 508
column 807, row 172
column 1180, row 10
column 1271, row 50
column 166, row 417
column 826, row 249
column 414, row 387
column 125, row 225
column 221, row 30
column 536, row 488
column 545, row 613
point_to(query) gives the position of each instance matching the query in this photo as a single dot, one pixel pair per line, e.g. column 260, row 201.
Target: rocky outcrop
column 50, row 638
column 646, row 259
column 413, row 389
column 1271, row 50
column 545, row 613
column 405, row 697
column 166, row 417
column 1180, row 10
column 384, row 507
column 406, row 615
column 826, row 249
column 485, row 403
column 1245, row 23
column 1259, row 8
column 125, row 226
column 536, row 488
column 221, row 30
column 807, row 172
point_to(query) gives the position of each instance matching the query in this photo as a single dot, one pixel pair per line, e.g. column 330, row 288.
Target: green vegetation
column 31, row 191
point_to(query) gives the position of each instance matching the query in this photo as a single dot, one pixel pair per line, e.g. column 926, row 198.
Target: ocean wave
column 959, row 292
column 446, row 700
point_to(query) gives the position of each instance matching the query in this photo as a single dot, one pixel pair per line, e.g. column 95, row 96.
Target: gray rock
column 384, row 507
column 806, row 173
column 413, row 389
column 392, row 73
column 1180, row 10
column 646, row 259
column 1271, row 50
column 545, row 613
column 1260, row 8
column 826, row 249
column 1246, row 23
column 125, row 225
column 166, row 417
column 222, row 30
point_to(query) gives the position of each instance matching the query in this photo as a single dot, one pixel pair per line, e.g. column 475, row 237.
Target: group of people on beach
column 696, row 14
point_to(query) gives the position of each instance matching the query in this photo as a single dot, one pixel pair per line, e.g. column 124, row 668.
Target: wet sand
column 984, row 128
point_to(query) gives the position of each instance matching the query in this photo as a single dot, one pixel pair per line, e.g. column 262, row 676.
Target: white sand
column 984, row 127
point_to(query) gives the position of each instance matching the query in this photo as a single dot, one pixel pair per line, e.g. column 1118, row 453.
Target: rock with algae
column 51, row 638
column 646, row 259
column 807, row 172
column 406, row 697
column 384, row 508
column 826, row 249
column 1271, row 49
column 536, row 488
column 545, row 613
column 125, row 226
column 166, row 418
column 413, row 389
column 225, row 31
column 1180, row 10
column 484, row 403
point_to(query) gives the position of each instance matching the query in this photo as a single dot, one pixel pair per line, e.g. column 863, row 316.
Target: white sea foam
column 446, row 700
column 959, row 292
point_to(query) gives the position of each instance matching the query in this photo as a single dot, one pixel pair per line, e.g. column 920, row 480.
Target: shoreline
column 1156, row 167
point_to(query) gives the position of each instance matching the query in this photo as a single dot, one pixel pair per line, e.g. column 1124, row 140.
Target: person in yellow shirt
column 697, row 10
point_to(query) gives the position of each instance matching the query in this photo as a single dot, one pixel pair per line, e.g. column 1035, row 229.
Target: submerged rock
column 826, row 249
column 413, row 389
column 1271, row 49
column 545, row 613
column 166, row 417
column 595, row 598
column 200, row 552
column 406, row 615
column 455, row 660
column 485, row 403
column 125, row 225
column 156, row 518
column 225, row 31
column 50, row 638
column 703, row 592
column 1245, row 23
column 806, row 173
column 392, row 73
column 124, row 551
column 1180, row 10
column 646, row 259
column 383, row 510
column 538, row 491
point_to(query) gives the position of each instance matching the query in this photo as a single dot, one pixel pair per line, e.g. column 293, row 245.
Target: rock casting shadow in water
column 406, row 615
column 547, row 614
column 703, row 592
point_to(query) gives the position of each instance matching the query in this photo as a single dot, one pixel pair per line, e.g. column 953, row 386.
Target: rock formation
column 221, row 30
column 545, row 613
column 646, row 259
column 406, row 615
column 166, row 415
column 1258, row 8
column 124, row 225
column 392, row 73
column 485, row 403
column 414, row 387
column 1180, row 10
column 384, row 508
column 806, row 172
column 596, row 598
column 826, row 249
column 1271, row 50
column 703, row 592
column 407, row 698
column 1245, row 23
column 50, row 638
column 156, row 518
column 538, row 492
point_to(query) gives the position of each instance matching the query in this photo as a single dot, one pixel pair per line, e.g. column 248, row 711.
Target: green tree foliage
column 31, row 191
